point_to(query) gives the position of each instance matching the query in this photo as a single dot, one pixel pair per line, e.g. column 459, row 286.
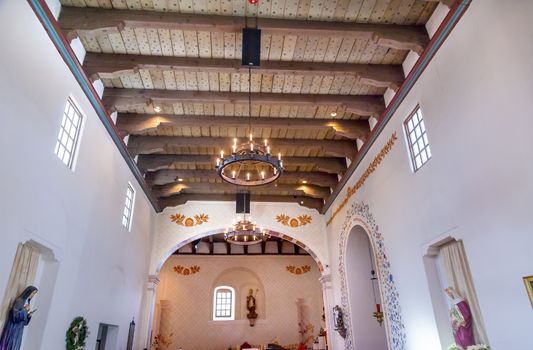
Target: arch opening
column 286, row 286
column 320, row 261
column 363, row 292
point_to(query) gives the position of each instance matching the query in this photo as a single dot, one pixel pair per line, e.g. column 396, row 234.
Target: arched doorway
column 363, row 293
column 179, row 263
column 358, row 215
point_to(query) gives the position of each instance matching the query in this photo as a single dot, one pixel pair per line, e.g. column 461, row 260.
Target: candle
column 221, row 154
column 234, row 147
column 251, row 146
column 218, row 161
column 248, row 176
column 233, row 174
column 279, row 156
column 263, row 175
column 378, row 308
column 251, row 137
column 268, row 149
column 275, row 171
column 266, row 142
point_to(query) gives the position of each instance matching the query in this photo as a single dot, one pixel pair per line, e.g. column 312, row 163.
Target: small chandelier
column 244, row 232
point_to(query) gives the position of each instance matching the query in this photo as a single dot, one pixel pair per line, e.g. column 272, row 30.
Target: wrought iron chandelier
column 249, row 163
column 245, row 232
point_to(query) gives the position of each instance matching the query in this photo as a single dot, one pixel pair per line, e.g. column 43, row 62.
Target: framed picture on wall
column 528, row 281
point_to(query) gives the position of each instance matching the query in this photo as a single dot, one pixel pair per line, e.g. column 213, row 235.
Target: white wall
column 187, row 301
column 102, row 267
column 475, row 96
column 168, row 235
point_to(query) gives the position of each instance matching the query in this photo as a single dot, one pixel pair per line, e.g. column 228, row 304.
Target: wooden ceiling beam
column 365, row 105
column 131, row 123
column 110, row 66
column 180, row 199
column 448, row 3
column 72, row 20
column 153, row 162
column 166, row 176
column 171, row 189
column 154, row 144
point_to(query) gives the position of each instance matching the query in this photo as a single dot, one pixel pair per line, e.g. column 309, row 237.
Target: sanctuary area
column 266, row 175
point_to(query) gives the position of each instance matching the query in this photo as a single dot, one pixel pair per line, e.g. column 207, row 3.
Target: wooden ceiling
column 325, row 66
column 217, row 245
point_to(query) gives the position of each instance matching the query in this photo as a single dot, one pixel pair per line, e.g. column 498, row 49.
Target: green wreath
column 77, row 334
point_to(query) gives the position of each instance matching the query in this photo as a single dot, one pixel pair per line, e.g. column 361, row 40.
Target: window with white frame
column 69, row 134
column 224, row 303
column 127, row 214
column 417, row 139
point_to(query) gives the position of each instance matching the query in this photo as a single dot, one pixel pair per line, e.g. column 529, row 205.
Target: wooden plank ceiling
column 325, row 67
column 217, row 245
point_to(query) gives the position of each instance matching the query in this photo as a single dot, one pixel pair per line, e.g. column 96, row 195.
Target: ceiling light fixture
column 333, row 114
column 157, row 109
column 249, row 163
column 245, row 232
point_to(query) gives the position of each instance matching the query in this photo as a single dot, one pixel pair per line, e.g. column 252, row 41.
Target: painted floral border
column 359, row 213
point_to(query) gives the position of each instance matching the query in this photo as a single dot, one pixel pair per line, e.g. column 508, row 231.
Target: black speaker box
column 243, row 203
column 251, row 47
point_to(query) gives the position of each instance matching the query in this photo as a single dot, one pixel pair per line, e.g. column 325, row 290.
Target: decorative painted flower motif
column 301, row 220
column 182, row 220
column 186, row 271
column 298, row 270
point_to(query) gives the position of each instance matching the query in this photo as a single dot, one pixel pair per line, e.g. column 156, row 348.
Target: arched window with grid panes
column 224, row 303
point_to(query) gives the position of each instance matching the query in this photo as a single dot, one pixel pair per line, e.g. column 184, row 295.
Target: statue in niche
column 251, row 306
column 19, row 316
column 461, row 320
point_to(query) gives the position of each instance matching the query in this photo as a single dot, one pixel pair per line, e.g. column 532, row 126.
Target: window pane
column 128, row 207
column 223, row 308
column 417, row 139
column 68, row 134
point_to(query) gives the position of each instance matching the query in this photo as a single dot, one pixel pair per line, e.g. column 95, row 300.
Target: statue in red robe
column 461, row 320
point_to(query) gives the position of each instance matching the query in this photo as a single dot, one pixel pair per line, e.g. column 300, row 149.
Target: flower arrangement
column 306, row 333
column 478, row 347
column 162, row 342
column 455, row 347
column 471, row 347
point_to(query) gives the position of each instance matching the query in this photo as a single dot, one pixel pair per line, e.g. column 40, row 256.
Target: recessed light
column 333, row 114
column 180, row 179
column 157, row 109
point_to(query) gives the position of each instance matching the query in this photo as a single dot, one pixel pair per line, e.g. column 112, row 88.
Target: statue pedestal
column 252, row 318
